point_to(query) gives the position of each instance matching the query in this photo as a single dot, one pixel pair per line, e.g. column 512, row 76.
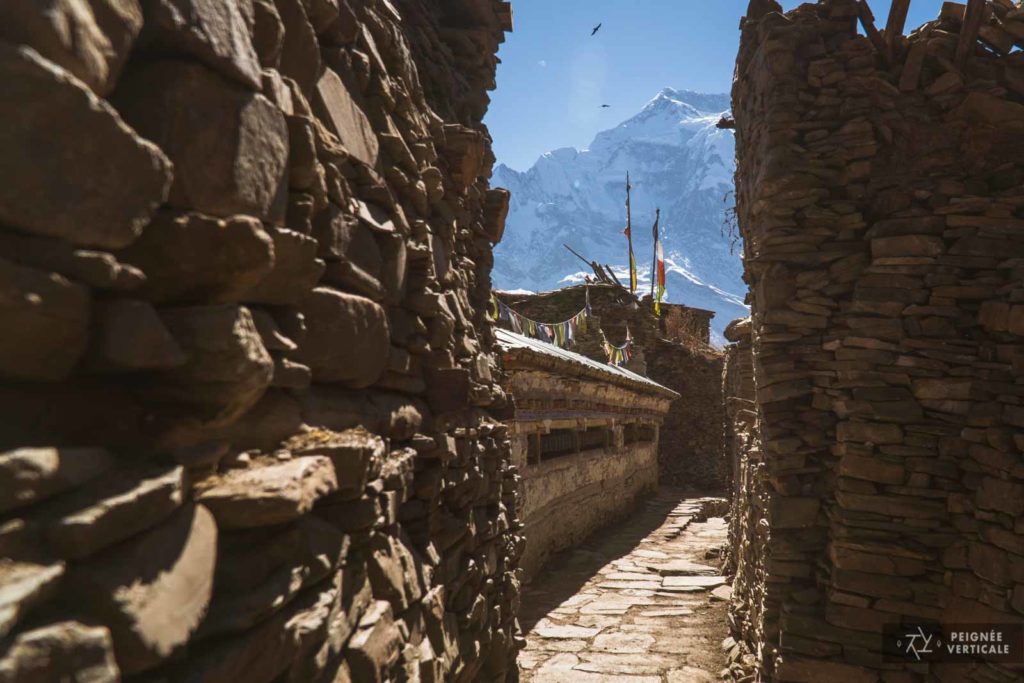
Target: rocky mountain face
column 678, row 161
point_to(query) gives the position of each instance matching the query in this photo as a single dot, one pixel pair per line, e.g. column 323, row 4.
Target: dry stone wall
column 246, row 378
column 690, row 449
column 879, row 197
column 585, row 438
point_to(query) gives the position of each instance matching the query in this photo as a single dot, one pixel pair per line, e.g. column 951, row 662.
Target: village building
column 672, row 349
column 585, row 439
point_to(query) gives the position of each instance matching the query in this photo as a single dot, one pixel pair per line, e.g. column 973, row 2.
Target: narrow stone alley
column 642, row 601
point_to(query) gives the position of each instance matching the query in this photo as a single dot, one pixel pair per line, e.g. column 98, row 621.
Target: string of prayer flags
column 619, row 355
column 562, row 334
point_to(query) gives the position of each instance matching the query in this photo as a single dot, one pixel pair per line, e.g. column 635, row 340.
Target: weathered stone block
column 300, row 53
column 68, row 133
column 347, row 338
column 333, row 104
column 871, row 468
column 124, row 502
column 1001, row 495
column 62, row 651
column 355, row 453
column 376, row 645
column 227, row 370
column 153, row 591
column 319, row 550
column 267, row 494
column 869, row 432
column 296, row 270
column 51, row 316
column 267, row 33
column 29, row 475
column 229, row 146
column 790, row 512
column 69, row 34
column 129, row 335
column 195, row 258
column 907, row 245
column 210, row 31
column 24, row 585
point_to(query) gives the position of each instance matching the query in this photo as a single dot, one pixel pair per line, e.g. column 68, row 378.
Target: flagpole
column 654, row 252
column 629, row 237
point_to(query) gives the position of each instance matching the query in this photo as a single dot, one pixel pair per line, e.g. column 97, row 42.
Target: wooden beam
column 867, row 20
column 895, row 24
column 973, row 16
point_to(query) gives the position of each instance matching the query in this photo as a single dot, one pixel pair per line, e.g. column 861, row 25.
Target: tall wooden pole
column 654, row 252
column 894, row 26
column 629, row 236
column 974, row 14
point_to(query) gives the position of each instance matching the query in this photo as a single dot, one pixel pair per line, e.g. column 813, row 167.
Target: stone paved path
column 639, row 602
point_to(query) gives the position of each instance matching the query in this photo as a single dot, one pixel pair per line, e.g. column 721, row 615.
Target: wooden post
column 867, row 20
column 654, row 252
column 629, row 236
column 973, row 16
column 894, row 25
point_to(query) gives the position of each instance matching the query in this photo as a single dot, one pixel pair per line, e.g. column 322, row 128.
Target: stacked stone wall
column 690, row 449
column 247, row 383
column 880, row 202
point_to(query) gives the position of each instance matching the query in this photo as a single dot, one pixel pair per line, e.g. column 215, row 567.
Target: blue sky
column 554, row 76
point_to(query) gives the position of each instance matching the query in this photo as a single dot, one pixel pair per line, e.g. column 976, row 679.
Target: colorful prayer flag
column 658, row 278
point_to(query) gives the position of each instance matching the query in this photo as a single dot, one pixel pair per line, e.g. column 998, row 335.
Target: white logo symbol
column 918, row 643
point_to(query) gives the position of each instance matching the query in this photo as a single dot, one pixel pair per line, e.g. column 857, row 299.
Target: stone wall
column 879, row 199
column 246, row 375
column 690, row 452
column 585, row 438
column 684, row 324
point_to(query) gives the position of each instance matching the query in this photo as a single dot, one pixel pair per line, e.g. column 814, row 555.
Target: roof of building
column 512, row 343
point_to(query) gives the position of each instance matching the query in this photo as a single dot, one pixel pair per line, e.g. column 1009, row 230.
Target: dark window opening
column 557, row 442
column 595, row 437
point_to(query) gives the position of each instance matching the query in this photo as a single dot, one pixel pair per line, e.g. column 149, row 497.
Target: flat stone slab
column 704, row 582
column 681, row 568
column 722, row 594
column 623, row 642
column 668, row 612
column 547, row 629
column 617, row 585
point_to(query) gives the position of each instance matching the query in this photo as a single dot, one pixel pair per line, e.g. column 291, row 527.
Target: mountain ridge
column 678, row 160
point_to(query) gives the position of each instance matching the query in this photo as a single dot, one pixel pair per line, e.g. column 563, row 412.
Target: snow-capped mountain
column 677, row 160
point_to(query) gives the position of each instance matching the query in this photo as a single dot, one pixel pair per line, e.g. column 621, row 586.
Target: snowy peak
column 701, row 102
column 671, row 117
column 678, row 161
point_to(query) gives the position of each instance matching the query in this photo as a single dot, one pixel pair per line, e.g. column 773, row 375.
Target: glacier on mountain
column 678, row 161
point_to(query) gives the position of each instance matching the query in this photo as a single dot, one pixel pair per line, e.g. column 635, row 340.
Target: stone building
column 585, row 440
column 672, row 351
column 247, row 382
column 879, row 190
column 683, row 323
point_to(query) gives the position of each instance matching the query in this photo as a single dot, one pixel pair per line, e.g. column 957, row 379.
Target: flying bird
column 605, row 106
column 596, row 29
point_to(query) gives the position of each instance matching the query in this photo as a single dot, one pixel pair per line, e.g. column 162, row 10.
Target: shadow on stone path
column 638, row 602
